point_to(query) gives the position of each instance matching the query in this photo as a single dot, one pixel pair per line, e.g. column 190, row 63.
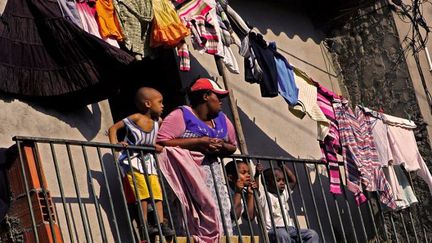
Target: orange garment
column 167, row 30
column 109, row 25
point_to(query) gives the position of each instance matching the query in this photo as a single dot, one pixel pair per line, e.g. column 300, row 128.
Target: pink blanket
column 181, row 169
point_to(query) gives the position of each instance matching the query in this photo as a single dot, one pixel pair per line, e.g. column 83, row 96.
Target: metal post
column 60, row 183
column 93, row 193
column 77, row 190
column 27, row 190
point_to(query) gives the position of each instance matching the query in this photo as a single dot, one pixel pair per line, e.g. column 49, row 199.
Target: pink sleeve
column 231, row 132
column 173, row 126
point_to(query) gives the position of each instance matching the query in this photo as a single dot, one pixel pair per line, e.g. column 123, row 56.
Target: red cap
column 208, row 84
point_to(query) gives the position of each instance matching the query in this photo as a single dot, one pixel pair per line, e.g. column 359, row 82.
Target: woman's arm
column 203, row 144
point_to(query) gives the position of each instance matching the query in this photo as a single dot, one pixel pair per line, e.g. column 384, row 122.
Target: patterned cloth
column 360, row 155
column 331, row 144
column 183, row 54
column 135, row 17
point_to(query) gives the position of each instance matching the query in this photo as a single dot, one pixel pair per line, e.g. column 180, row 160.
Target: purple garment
column 197, row 128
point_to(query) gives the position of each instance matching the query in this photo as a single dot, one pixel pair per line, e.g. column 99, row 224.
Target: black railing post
column 60, row 184
column 93, row 193
column 77, row 191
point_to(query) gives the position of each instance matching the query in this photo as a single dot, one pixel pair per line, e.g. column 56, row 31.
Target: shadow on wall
column 113, row 188
column 86, row 120
column 284, row 18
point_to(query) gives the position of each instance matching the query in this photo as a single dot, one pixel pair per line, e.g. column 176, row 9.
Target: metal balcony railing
column 72, row 191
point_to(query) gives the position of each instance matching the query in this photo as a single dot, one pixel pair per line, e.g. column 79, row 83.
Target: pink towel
column 181, row 169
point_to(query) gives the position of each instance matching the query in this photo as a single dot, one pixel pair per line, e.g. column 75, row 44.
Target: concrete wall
column 86, row 124
column 378, row 72
column 268, row 125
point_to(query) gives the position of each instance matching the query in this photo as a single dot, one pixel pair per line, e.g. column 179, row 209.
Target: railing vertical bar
column 269, row 205
column 114, row 219
column 349, row 211
column 44, row 191
column 153, row 203
column 93, row 193
column 88, row 223
column 261, row 220
column 291, row 200
column 77, row 190
column 165, row 196
column 314, row 202
column 394, row 227
column 418, row 209
column 369, row 206
column 362, row 222
column 224, row 224
column 382, row 217
column 413, row 225
column 327, row 208
column 119, row 178
column 231, row 200
column 302, row 200
column 404, row 226
column 253, row 177
column 143, row 222
column 60, row 184
column 27, row 190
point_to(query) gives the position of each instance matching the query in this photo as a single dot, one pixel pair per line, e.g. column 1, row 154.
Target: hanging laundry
column 360, row 155
column 330, row 147
column 183, row 54
column 167, row 29
column 260, row 53
column 227, row 37
column 239, row 26
column 88, row 20
column 53, row 58
column 2, row 6
column 135, row 17
column 402, row 191
column 109, row 25
column 70, row 11
column 404, row 147
column 307, row 103
column 197, row 15
column 285, row 76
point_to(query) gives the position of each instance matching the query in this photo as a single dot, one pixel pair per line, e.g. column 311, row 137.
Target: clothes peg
column 381, row 110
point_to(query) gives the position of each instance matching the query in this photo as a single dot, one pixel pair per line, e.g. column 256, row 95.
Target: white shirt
column 276, row 208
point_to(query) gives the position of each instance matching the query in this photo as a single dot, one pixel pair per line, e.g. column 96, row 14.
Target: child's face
column 155, row 105
column 243, row 173
column 280, row 182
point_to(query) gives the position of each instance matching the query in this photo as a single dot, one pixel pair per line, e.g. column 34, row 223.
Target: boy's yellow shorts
column 143, row 191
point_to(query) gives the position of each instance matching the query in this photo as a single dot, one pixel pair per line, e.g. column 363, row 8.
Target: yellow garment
column 143, row 191
column 167, row 28
column 109, row 25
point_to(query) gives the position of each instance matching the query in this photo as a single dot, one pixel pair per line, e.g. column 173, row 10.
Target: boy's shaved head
column 146, row 93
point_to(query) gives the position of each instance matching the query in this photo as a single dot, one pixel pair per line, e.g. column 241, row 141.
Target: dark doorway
column 160, row 73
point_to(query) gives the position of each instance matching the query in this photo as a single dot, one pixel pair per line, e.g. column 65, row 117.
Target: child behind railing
column 275, row 181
